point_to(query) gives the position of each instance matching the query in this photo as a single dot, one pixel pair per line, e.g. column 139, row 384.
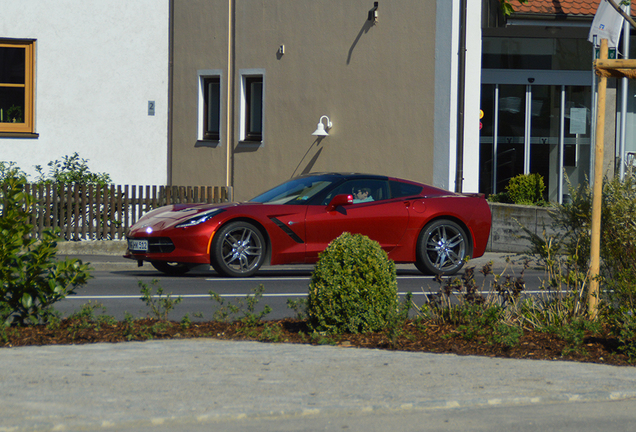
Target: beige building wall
column 375, row 82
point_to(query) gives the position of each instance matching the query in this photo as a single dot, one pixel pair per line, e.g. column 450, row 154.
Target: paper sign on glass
column 577, row 120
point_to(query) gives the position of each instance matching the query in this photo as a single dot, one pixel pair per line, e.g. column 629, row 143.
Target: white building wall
column 98, row 64
column 473, row 97
column 446, row 97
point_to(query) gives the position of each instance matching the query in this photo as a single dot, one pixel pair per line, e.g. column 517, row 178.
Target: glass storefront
column 536, row 119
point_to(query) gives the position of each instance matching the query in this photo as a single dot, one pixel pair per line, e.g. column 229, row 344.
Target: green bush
column 618, row 235
column 74, row 170
column 71, row 169
column 501, row 197
column 618, row 241
column 32, row 278
column 566, row 256
column 353, row 288
column 526, row 189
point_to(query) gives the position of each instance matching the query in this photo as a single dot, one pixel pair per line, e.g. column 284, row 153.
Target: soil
column 413, row 336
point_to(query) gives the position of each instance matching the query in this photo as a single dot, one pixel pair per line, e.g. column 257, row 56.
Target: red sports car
column 293, row 222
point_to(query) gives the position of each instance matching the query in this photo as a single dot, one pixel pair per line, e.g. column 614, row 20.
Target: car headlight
column 200, row 218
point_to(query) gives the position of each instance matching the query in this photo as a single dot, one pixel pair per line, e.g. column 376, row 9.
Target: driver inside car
column 361, row 195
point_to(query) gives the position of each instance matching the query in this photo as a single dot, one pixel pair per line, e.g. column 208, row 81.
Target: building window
column 252, row 109
column 536, row 53
column 16, row 86
column 211, row 108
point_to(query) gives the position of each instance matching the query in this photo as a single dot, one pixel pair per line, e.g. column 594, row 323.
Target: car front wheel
column 238, row 250
column 441, row 248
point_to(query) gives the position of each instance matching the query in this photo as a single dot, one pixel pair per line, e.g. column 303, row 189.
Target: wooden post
column 597, row 194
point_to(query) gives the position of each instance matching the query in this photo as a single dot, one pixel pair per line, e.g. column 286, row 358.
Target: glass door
column 511, row 136
column 542, row 129
column 545, row 127
column 576, row 155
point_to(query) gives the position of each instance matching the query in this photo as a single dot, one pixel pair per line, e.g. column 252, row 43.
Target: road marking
column 285, row 278
column 256, row 279
column 174, row 296
column 105, row 297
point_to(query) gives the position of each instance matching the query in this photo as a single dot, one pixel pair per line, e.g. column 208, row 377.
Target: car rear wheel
column 238, row 250
column 171, row 268
column 441, row 248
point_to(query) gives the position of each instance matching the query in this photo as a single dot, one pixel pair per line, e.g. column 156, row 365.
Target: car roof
column 346, row 175
column 427, row 189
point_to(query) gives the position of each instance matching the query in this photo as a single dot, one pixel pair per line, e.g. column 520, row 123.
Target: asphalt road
column 116, row 286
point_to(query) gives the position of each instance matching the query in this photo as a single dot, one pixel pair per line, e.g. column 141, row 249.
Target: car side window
column 399, row 189
column 362, row 191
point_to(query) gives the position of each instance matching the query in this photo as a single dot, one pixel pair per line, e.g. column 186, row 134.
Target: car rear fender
column 476, row 223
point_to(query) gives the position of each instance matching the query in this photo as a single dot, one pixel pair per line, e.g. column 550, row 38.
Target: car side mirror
column 340, row 200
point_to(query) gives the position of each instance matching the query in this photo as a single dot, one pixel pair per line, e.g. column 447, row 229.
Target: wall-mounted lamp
column 373, row 13
column 320, row 129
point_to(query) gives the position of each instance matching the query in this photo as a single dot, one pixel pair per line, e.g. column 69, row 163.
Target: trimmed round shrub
column 353, row 288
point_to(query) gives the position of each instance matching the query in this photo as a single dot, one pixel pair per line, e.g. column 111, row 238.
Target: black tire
column 238, row 250
column 442, row 248
column 171, row 268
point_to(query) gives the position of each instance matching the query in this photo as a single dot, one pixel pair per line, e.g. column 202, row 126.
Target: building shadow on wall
column 312, row 161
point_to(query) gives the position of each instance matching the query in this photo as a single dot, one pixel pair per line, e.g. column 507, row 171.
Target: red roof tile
column 559, row 7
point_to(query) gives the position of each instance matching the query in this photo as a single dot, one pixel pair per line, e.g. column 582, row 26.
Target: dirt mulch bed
column 414, row 336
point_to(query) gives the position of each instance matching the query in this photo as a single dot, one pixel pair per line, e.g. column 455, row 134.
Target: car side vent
column 287, row 230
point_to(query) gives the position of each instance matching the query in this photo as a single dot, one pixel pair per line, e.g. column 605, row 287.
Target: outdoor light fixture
column 321, row 128
column 373, row 13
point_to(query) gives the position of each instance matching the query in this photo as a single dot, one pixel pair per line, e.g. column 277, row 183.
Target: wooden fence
column 90, row 212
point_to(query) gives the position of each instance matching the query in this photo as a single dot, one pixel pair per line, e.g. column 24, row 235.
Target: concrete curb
column 92, row 247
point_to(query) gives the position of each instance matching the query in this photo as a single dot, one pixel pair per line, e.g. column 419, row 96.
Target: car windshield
column 297, row 191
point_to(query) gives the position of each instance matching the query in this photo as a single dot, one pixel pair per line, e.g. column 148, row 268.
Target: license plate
column 138, row 245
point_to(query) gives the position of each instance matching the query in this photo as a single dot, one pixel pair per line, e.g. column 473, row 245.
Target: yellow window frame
column 28, row 85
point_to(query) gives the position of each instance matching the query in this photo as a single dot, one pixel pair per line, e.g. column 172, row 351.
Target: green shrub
column 353, row 288
column 32, row 279
column 242, row 309
column 477, row 314
column 618, row 236
column 72, row 169
column 501, row 197
column 526, row 189
column 160, row 304
column 566, row 255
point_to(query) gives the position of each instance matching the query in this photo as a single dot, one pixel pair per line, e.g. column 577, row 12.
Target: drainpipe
column 461, row 78
column 624, row 90
column 229, row 132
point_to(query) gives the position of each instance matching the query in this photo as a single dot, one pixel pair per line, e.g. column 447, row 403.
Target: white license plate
column 138, row 245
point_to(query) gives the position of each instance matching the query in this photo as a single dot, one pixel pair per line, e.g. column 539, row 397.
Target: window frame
column 28, row 127
column 246, row 132
column 203, row 134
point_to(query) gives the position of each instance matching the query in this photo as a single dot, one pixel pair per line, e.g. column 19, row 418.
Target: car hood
column 171, row 215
